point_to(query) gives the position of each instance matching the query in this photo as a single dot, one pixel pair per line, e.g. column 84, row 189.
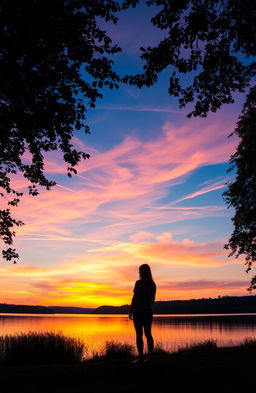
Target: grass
column 40, row 348
column 201, row 367
column 159, row 349
column 116, row 350
column 249, row 344
column 55, row 348
column 199, row 348
column 112, row 350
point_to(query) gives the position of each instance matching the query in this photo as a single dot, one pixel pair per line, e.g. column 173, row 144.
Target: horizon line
column 124, row 305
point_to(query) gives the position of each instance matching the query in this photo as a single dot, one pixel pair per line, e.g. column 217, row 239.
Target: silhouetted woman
column 141, row 310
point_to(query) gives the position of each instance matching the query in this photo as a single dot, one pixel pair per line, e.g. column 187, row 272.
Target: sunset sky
column 150, row 193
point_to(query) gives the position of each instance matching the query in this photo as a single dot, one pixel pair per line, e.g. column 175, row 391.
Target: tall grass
column 55, row 348
column 114, row 349
column 39, row 348
column 199, row 347
column 110, row 351
column 159, row 349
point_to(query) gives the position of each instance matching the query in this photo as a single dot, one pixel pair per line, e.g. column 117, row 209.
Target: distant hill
column 220, row 305
column 25, row 309
column 70, row 310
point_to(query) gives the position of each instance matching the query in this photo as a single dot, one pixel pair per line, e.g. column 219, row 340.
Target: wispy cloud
column 169, row 252
column 100, row 226
column 120, row 189
column 204, row 284
column 205, row 190
column 140, row 108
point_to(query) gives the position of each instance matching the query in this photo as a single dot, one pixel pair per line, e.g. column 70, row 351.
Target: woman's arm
column 131, row 309
column 133, row 301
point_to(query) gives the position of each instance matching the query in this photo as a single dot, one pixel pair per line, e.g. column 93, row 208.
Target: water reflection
column 216, row 321
column 171, row 331
column 179, row 331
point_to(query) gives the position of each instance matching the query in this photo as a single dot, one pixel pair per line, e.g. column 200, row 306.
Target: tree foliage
column 241, row 193
column 205, row 41
column 54, row 59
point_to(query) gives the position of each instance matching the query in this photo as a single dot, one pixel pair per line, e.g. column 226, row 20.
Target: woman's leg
column 148, row 334
column 139, row 336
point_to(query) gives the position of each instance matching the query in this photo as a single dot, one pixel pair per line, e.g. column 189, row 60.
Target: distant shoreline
column 220, row 305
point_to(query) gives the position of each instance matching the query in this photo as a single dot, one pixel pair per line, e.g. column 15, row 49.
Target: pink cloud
column 120, row 188
column 203, row 284
column 117, row 193
column 166, row 251
column 141, row 236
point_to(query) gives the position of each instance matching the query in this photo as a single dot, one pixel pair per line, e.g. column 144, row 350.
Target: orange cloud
column 106, row 275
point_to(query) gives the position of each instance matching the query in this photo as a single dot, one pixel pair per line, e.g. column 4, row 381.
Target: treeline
column 220, row 305
column 24, row 309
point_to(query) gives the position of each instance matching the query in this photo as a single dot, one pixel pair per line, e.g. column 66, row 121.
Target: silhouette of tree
column 241, row 193
column 214, row 43
column 53, row 60
column 207, row 40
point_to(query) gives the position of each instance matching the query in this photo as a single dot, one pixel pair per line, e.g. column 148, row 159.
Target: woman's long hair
column 145, row 273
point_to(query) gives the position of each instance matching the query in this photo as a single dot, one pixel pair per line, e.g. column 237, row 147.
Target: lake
column 171, row 331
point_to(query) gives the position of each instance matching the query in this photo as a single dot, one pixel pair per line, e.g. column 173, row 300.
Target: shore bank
column 201, row 368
